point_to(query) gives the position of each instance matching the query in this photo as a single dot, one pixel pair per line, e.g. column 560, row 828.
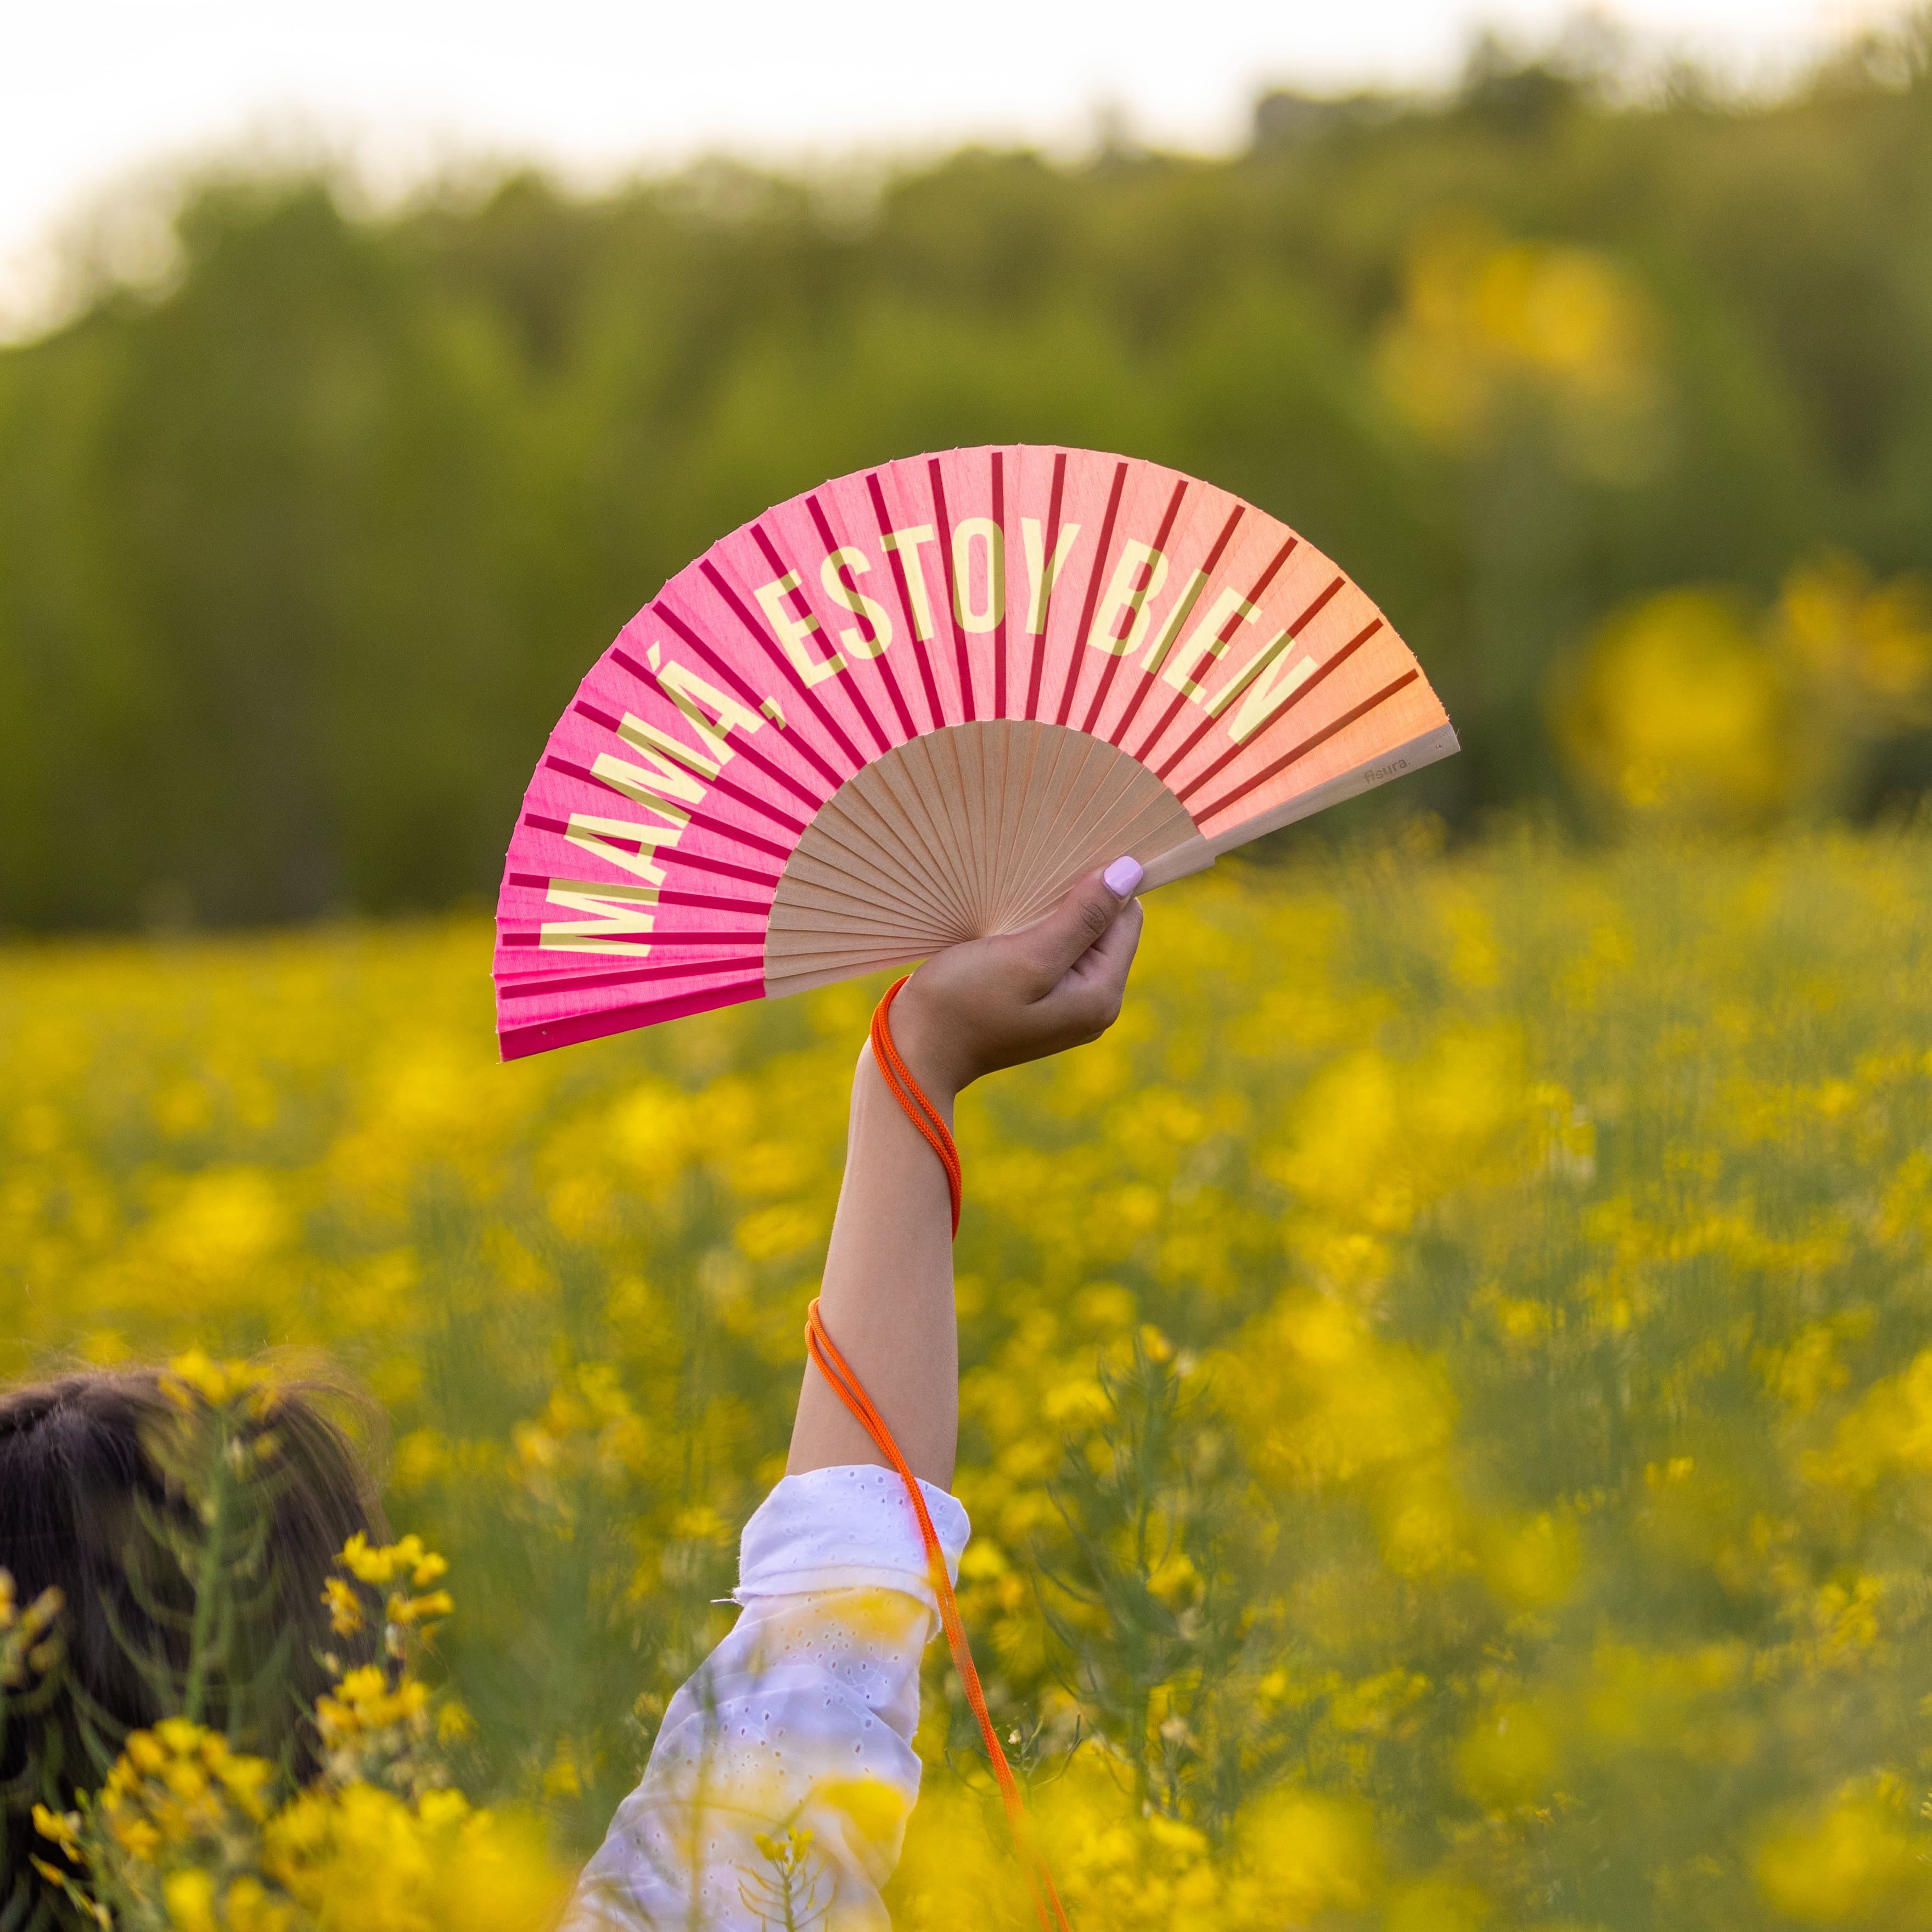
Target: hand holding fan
column 910, row 707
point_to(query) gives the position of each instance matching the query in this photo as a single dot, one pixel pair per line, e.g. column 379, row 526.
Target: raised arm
column 887, row 1295
column 780, row 1781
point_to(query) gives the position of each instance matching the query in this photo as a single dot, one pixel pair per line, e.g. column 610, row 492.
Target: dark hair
column 89, row 1504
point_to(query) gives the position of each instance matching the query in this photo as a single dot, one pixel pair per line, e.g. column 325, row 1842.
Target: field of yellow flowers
column 1448, row 1381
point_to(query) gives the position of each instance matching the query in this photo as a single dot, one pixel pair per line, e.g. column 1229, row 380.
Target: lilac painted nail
column 1122, row 876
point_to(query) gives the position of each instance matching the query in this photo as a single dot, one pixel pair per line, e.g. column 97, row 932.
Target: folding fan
column 910, row 707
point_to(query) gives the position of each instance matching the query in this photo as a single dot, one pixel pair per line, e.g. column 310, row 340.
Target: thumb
column 1088, row 907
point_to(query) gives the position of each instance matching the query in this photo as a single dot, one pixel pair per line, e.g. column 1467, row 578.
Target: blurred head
column 95, row 1503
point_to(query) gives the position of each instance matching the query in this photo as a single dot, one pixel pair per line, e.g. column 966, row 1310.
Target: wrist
column 923, row 1045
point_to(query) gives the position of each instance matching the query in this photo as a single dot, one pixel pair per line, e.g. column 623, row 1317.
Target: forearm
column 887, row 1298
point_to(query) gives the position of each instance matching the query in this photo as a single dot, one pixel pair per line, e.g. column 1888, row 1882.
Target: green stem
column 208, row 1584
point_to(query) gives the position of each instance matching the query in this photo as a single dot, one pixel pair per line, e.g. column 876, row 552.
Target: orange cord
column 851, row 1392
column 907, row 1091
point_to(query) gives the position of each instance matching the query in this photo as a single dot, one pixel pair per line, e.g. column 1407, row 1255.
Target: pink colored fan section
column 1114, row 597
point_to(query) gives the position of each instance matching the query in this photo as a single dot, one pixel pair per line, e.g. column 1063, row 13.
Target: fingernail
column 1122, row 876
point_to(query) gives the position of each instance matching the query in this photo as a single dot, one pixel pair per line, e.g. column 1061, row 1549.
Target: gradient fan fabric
column 910, row 707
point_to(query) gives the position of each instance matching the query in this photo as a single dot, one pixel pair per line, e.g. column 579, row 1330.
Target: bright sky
column 94, row 93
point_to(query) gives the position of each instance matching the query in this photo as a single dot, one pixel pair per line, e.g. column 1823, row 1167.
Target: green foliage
column 1145, row 1612
column 302, row 552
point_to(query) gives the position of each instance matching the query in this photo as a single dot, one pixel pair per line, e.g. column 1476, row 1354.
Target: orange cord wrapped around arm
column 833, row 1366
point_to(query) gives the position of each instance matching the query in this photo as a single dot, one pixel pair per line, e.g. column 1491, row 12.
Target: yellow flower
column 365, row 1860
column 140, row 1838
column 61, row 1826
column 417, row 1609
column 1858, row 1860
column 428, row 1568
column 194, row 1374
column 345, row 1607
column 454, row 1723
column 189, row 1898
column 371, row 1565
column 363, row 1702
column 245, row 1779
column 249, row 1907
column 439, row 1810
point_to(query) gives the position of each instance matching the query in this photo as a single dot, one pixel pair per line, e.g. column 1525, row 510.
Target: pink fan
column 910, row 707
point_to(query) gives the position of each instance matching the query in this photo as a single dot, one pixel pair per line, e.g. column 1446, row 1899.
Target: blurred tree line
column 302, row 553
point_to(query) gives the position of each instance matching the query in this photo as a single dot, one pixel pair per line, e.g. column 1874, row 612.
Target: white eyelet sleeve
column 799, row 1723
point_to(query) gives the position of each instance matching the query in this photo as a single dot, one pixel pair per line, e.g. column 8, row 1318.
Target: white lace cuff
column 847, row 1527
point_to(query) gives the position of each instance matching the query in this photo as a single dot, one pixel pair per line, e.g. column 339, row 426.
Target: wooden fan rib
column 781, row 985
column 1135, row 791
column 831, row 863
column 997, row 755
column 802, row 931
column 786, row 947
column 928, row 772
column 904, row 802
column 1003, row 746
column 854, row 833
column 1141, row 818
column 1158, row 827
column 825, row 869
column 965, row 750
column 1103, row 776
column 918, row 770
column 1057, row 768
column 1070, row 758
column 786, row 953
column 1020, row 761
